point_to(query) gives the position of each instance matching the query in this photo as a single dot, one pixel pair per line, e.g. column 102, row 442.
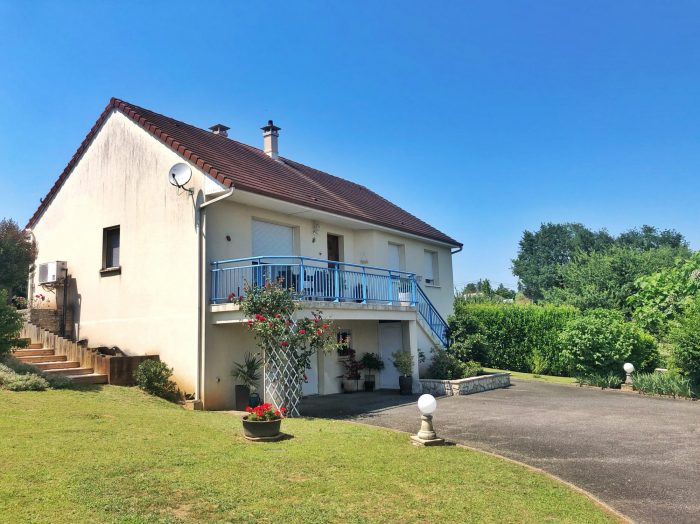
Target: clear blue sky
column 483, row 119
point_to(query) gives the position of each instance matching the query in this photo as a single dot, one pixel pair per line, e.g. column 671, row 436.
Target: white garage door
column 272, row 240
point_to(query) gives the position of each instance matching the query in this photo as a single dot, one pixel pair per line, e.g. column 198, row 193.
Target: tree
column 607, row 279
column 648, row 237
column 17, row 255
column 542, row 254
column 663, row 296
column 483, row 292
column 10, row 325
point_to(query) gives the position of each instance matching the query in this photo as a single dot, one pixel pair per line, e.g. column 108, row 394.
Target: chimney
column 219, row 129
column 270, row 138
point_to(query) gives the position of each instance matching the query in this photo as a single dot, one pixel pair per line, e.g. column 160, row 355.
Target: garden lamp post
column 629, row 369
column 426, row 435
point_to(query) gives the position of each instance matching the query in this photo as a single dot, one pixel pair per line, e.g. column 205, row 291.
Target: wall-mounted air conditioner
column 52, row 272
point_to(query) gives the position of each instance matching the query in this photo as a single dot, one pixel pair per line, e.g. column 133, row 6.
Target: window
column 431, row 268
column 110, row 247
column 396, row 256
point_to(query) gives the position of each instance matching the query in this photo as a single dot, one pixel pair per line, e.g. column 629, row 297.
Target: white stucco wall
column 152, row 306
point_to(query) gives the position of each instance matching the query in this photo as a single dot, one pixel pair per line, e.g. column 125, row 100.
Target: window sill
column 109, row 271
column 433, row 285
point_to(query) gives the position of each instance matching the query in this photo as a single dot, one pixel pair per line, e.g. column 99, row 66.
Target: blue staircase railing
column 327, row 280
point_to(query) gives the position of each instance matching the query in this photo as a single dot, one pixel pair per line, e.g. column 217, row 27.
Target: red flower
column 325, row 326
column 316, row 320
column 284, row 344
column 269, row 324
column 283, row 409
column 278, row 315
column 319, row 332
column 250, row 322
column 249, row 409
column 302, row 331
column 277, row 412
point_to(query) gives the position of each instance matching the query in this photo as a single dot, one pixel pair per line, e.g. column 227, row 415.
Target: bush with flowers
column 285, row 340
column 264, row 412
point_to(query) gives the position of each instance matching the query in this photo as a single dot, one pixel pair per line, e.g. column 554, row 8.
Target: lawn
column 112, row 454
column 531, row 376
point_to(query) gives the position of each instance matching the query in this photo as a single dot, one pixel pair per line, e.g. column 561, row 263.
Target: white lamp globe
column 427, row 404
column 628, row 367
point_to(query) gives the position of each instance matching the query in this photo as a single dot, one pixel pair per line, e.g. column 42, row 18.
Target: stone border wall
column 119, row 369
column 465, row 386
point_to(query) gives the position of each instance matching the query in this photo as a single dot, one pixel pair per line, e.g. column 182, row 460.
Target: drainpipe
column 201, row 349
column 458, row 250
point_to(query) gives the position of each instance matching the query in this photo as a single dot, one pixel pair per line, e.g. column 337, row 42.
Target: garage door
column 272, row 239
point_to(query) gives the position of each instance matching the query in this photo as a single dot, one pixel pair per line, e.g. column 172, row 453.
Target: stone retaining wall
column 465, row 386
column 50, row 320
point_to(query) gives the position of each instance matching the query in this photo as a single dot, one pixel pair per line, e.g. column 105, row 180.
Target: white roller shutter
column 272, row 240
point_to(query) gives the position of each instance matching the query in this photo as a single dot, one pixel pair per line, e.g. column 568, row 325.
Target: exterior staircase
column 46, row 360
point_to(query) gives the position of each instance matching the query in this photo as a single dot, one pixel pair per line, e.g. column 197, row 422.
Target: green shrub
column 663, row 384
column 505, row 336
column 446, row 366
column 600, row 380
column 10, row 379
column 600, row 341
column 153, row 376
column 685, row 340
column 10, row 325
column 18, row 376
column 403, row 362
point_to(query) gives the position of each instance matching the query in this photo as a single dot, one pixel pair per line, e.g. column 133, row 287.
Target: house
column 152, row 258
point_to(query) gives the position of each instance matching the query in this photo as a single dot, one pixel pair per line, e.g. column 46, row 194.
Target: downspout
column 458, row 250
column 201, row 349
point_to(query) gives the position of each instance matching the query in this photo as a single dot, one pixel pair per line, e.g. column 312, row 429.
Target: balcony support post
column 364, row 285
column 391, row 289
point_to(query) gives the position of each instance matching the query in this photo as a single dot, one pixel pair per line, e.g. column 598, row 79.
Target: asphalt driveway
column 639, row 454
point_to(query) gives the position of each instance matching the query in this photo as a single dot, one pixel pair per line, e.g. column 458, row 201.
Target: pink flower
column 302, row 331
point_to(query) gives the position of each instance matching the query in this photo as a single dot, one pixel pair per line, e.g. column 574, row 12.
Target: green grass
column 117, row 455
column 532, row 376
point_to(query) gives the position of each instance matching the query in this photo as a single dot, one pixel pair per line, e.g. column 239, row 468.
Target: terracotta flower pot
column 261, row 428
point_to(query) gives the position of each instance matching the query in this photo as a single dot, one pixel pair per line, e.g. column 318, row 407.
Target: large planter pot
column 261, row 428
column 369, row 383
column 350, row 385
column 406, row 385
column 242, row 397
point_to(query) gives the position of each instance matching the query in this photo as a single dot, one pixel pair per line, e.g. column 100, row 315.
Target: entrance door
column 390, row 340
column 333, row 245
column 310, row 386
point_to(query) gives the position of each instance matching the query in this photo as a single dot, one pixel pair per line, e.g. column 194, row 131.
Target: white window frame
column 435, row 269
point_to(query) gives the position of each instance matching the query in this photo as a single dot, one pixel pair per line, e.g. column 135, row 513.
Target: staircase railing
column 431, row 316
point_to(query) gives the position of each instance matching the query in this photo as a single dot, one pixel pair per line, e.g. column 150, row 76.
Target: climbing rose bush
column 280, row 334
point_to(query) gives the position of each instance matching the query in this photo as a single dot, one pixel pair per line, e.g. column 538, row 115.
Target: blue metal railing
column 318, row 279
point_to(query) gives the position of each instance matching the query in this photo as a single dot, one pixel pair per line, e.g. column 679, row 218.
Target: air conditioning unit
column 52, row 272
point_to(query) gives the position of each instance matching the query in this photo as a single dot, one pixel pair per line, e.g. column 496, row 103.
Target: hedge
column 515, row 337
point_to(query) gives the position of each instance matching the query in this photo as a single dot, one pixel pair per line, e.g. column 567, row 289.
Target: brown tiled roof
column 250, row 169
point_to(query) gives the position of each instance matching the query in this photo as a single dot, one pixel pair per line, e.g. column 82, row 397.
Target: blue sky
column 483, row 119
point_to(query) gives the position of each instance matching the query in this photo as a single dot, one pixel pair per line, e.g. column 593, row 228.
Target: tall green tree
column 542, row 253
column 607, row 279
column 17, row 255
column 10, row 325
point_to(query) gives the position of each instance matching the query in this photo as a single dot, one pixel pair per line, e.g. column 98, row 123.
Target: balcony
column 326, row 280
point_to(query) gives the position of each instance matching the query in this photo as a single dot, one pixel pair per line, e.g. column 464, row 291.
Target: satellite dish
column 180, row 174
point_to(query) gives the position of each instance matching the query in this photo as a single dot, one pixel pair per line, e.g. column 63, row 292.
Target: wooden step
column 32, row 352
column 93, row 378
column 45, row 366
column 35, row 345
column 41, row 358
column 69, row 371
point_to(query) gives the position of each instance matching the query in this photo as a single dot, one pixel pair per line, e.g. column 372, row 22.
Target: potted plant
column 372, row 363
column 263, row 421
column 351, row 376
column 403, row 362
column 247, row 374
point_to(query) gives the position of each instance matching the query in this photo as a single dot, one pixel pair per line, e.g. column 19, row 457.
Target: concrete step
column 93, row 378
column 65, row 364
column 32, row 352
column 42, row 358
column 69, row 371
column 35, row 345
